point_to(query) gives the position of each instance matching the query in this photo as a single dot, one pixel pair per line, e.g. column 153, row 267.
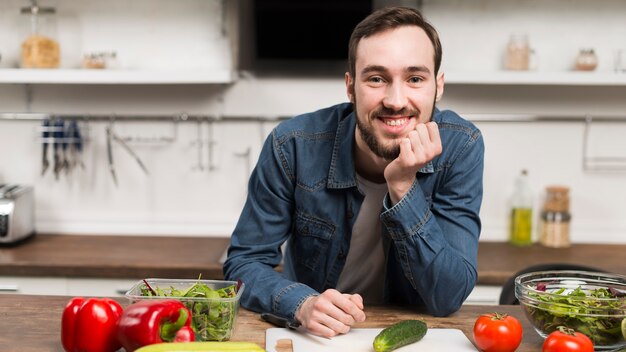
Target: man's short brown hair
column 389, row 18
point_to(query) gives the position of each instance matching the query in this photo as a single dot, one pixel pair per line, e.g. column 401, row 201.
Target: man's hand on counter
column 331, row 313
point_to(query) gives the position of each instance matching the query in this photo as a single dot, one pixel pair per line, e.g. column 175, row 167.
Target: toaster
column 17, row 213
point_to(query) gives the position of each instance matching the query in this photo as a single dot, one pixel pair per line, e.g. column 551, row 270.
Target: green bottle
column 521, row 221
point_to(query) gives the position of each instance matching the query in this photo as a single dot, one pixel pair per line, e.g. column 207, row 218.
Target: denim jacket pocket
column 312, row 238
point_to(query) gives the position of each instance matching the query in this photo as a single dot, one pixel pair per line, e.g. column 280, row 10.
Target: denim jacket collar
column 342, row 172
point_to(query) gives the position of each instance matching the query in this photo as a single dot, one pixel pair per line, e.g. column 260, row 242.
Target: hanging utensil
column 58, row 141
column 110, row 155
column 78, row 144
column 64, row 143
column 75, row 145
column 131, row 152
column 45, row 164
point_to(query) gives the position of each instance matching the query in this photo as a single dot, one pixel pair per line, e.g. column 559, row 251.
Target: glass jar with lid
column 39, row 48
column 586, row 60
column 518, row 53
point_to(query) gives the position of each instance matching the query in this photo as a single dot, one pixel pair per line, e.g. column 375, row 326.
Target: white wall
column 176, row 198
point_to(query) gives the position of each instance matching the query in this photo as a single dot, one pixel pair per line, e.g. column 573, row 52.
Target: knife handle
column 280, row 321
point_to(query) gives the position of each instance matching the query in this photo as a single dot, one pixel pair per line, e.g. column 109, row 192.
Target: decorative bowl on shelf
column 591, row 303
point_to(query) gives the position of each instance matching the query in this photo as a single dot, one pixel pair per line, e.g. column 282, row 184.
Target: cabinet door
column 99, row 287
column 484, row 295
column 33, row 285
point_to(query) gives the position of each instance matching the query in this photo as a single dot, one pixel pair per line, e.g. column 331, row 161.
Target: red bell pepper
column 153, row 321
column 88, row 325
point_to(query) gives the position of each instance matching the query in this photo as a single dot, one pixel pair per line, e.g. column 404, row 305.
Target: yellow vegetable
column 212, row 346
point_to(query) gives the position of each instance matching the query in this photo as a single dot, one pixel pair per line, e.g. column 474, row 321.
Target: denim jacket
column 303, row 191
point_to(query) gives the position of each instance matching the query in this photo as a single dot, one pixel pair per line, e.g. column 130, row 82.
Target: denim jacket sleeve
column 436, row 242
column 264, row 224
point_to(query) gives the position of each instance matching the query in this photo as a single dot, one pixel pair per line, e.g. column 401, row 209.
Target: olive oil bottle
column 521, row 216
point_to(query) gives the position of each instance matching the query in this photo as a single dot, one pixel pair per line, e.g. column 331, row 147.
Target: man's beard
column 367, row 131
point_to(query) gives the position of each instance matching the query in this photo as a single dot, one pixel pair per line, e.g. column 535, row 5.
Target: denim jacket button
column 305, row 230
column 342, row 255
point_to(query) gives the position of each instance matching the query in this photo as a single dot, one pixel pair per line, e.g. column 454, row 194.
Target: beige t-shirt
column 364, row 271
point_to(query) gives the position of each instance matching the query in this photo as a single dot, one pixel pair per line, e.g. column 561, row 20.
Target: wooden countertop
column 497, row 261
column 33, row 323
column 187, row 257
column 115, row 257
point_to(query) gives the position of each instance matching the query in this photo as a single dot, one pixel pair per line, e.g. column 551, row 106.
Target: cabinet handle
column 9, row 288
column 121, row 291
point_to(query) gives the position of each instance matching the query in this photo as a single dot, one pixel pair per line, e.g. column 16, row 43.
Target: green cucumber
column 399, row 334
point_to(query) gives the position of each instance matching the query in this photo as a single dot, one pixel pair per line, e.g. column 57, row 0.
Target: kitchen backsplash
column 179, row 198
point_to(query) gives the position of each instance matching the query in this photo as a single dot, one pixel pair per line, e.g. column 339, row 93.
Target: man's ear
column 350, row 87
column 440, row 84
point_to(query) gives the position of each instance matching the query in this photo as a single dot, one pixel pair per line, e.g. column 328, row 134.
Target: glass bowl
column 588, row 302
column 214, row 304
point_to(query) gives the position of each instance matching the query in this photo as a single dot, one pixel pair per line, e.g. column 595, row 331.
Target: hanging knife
column 79, row 145
column 58, row 138
column 110, row 155
column 45, row 164
column 76, row 143
column 64, row 143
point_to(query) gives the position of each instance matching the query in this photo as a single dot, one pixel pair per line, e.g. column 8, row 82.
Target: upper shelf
column 111, row 76
column 570, row 78
column 223, row 76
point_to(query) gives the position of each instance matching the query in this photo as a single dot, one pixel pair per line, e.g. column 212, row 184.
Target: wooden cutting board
column 360, row 340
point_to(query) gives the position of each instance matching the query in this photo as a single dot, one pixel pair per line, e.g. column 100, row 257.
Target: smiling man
column 378, row 199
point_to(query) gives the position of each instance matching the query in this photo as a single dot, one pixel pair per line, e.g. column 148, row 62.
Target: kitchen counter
column 124, row 257
column 187, row 257
column 33, row 323
column 497, row 261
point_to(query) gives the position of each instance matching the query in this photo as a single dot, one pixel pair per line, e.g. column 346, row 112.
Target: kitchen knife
column 45, row 164
column 57, row 133
column 64, row 143
column 77, row 144
column 280, row 321
column 110, row 155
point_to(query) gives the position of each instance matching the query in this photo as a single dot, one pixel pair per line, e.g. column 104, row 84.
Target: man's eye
column 415, row 80
column 376, row 79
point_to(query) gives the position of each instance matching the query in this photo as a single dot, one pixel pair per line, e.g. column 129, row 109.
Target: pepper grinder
column 555, row 218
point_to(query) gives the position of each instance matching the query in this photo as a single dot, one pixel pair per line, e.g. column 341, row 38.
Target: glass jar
column 555, row 218
column 40, row 49
column 586, row 60
column 518, row 53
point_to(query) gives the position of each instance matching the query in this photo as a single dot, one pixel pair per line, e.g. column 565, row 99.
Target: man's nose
column 395, row 97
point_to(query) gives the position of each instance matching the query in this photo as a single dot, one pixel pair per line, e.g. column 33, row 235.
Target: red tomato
column 497, row 333
column 567, row 340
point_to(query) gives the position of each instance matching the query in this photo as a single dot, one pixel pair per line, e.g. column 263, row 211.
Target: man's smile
column 395, row 124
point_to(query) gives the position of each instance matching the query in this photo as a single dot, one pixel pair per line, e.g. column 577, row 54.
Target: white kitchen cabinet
column 567, row 78
column 138, row 76
column 484, row 295
column 99, row 287
column 33, row 285
column 173, row 43
column 63, row 286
